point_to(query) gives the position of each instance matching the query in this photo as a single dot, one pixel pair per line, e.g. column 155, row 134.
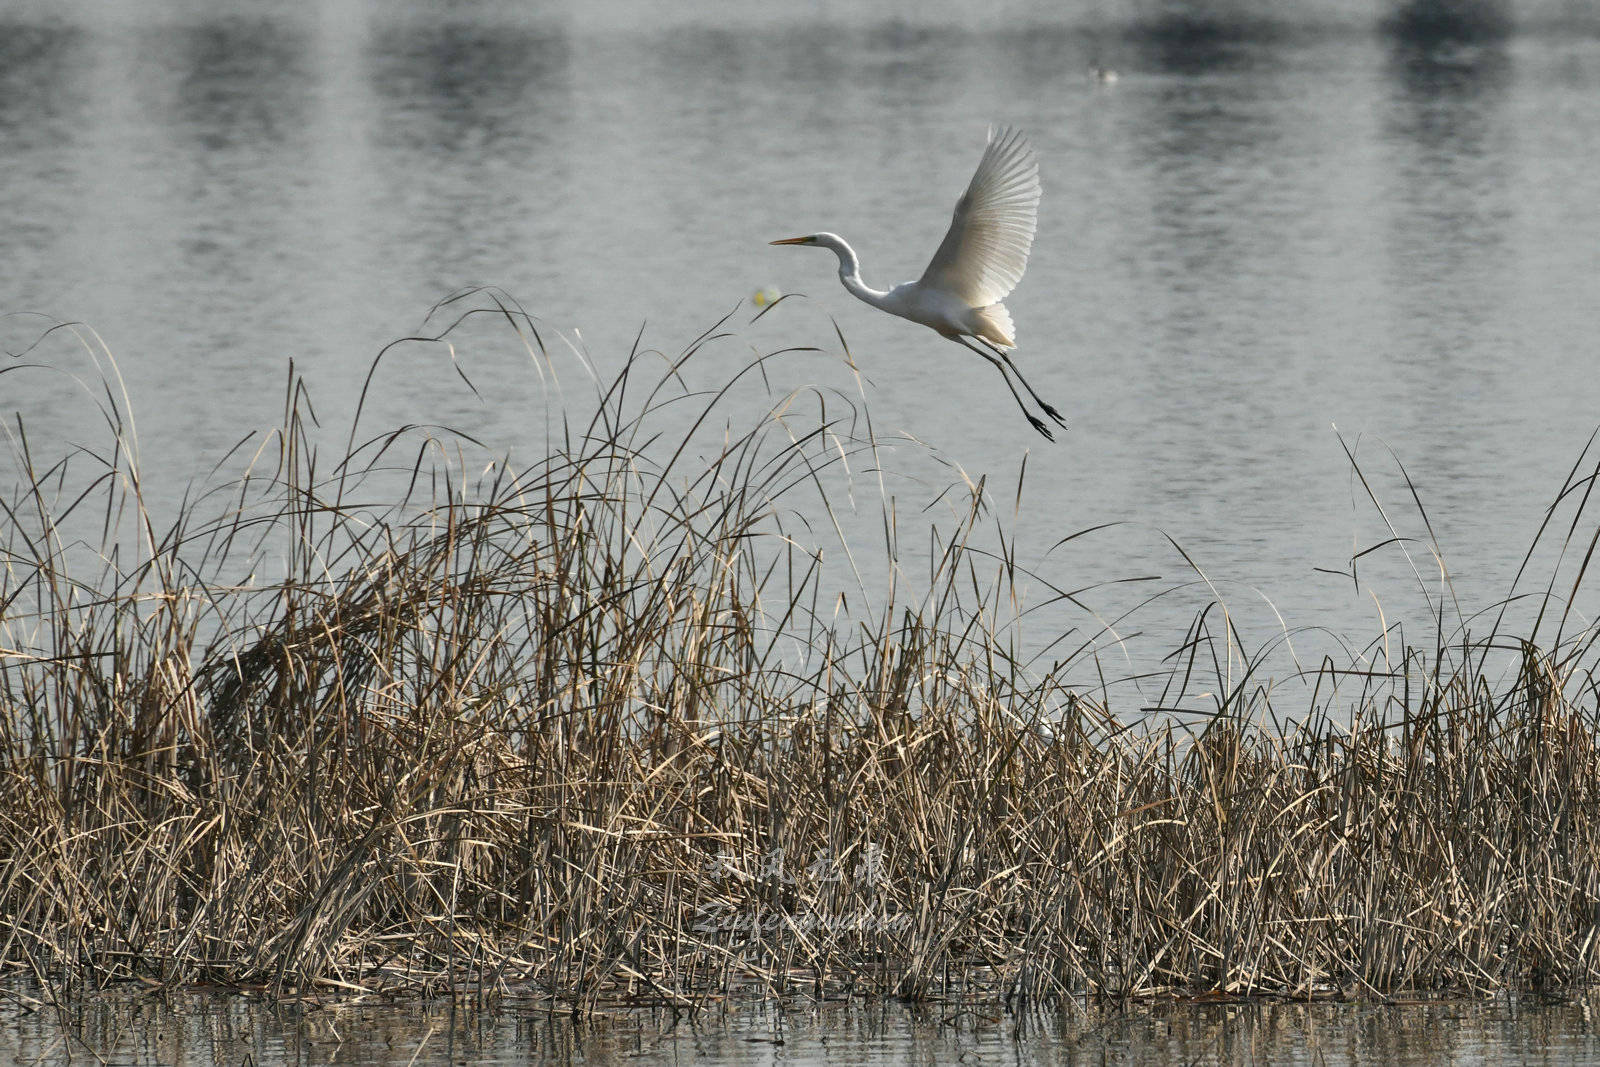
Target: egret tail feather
column 994, row 324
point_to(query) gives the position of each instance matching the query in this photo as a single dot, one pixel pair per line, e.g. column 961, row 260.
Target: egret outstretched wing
column 985, row 251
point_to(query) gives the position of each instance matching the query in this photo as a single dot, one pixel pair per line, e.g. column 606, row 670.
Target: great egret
column 980, row 260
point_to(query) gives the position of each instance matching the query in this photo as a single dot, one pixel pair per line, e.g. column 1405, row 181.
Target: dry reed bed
column 590, row 728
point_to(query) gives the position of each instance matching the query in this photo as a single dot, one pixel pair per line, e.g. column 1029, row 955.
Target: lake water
column 199, row 1030
column 1279, row 219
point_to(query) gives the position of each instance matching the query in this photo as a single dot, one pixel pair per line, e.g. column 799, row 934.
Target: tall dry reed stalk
column 593, row 728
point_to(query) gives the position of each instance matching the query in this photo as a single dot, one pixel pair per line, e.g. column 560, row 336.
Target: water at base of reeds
column 204, row 1028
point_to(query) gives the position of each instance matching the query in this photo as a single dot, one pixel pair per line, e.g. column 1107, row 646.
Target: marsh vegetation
column 412, row 719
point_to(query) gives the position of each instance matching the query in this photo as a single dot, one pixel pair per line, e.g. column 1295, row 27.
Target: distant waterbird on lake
column 978, row 263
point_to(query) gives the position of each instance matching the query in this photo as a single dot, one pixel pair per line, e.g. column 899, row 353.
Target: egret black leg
column 1048, row 410
column 1034, row 420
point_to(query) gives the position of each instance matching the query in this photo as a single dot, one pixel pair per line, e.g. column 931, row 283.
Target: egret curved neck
column 850, row 273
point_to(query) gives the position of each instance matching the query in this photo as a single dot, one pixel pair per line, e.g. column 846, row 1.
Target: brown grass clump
column 593, row 728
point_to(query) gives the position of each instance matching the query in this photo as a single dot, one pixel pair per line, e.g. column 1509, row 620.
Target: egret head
column 821, row 240
column 849, row 267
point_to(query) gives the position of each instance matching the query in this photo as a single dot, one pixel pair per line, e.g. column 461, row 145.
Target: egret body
column 978, row 263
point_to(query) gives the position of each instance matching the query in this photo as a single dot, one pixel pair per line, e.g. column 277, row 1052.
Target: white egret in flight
column 980, row 260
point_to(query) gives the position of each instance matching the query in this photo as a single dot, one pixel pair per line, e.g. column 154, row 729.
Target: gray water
column 1279, row 219
column 201, row 1029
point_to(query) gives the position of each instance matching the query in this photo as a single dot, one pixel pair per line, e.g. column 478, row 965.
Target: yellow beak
column 791, row 241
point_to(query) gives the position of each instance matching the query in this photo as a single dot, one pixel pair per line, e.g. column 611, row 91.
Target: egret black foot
column 1054, row 414
column 1038, row 424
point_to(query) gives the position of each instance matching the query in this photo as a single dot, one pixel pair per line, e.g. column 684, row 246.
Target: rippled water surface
column 1278, row 220
column 205, row 1029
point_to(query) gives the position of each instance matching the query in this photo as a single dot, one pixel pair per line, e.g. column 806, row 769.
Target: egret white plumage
column 978, row 263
